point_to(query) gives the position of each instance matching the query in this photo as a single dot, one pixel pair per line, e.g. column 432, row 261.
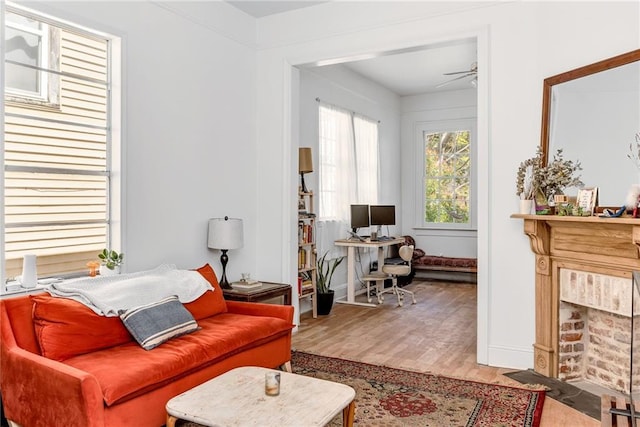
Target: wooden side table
column 267, row 291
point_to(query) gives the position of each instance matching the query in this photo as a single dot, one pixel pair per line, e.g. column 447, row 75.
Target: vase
column 325, row 302
column 526, row 206
column 542, row 204
column 29, row 277
column 104, row 271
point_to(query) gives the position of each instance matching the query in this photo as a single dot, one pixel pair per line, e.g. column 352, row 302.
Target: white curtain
column 366, row 159
column 348, row 175
column 327, row 232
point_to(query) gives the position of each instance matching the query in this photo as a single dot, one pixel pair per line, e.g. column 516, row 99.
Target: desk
column 266, row 291
column 351, row 245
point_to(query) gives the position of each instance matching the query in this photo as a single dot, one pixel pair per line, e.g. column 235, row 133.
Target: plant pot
column 325, row 302
column 526, row 206
column 104, row 271
column 542, row 204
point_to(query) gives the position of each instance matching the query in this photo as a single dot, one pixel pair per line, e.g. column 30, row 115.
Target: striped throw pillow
column 158, row 322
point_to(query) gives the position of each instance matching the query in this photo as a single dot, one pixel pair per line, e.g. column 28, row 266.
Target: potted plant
column 110, row 262
column 541, row 182
column 324, row 274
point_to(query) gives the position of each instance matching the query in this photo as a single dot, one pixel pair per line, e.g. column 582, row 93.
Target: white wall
column 519, row 44
column 337, row 85
column 418, row 110
column 208, row 123
column 189, row 125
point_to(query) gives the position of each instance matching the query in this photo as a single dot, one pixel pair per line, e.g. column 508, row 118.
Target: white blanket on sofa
column 108, row 295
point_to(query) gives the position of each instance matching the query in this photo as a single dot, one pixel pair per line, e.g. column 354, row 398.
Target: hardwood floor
column 436, row 335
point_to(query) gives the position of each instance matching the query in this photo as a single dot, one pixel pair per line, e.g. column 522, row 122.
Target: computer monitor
column 359, row 217
column 383, row 214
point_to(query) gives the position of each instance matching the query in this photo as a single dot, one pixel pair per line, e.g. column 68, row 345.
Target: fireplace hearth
column 595, row 329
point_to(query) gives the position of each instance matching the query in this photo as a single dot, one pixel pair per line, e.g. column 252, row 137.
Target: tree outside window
column 447, row 177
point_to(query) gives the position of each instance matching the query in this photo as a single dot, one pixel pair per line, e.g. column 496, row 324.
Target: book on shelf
column 305, row 276
column 305, row 234
column 246, row 285
column 304, row 258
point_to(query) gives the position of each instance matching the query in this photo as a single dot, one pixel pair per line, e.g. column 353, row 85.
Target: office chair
column 378, row 278
column 406, row 253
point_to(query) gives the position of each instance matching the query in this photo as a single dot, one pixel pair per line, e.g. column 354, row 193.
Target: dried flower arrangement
column 524, row 181
column 549, row 180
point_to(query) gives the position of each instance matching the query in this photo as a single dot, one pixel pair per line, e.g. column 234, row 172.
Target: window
column 348, row 162
column 447, row 162
column 58, row 162
column 32, row 46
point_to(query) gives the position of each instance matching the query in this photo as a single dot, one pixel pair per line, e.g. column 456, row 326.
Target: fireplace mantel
column 608, row 246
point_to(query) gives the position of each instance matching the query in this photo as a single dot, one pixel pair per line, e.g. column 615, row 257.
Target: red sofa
column 61, row 364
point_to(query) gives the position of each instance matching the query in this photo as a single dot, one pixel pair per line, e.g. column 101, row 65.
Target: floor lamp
column 225, row 234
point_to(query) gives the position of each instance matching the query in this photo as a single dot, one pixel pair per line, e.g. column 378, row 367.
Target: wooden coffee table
column 237, row 398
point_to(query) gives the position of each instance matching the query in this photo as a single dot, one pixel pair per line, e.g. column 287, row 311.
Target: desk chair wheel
column 413, row 297
column 399, row 295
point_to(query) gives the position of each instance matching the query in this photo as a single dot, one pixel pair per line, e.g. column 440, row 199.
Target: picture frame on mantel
column 587, row 199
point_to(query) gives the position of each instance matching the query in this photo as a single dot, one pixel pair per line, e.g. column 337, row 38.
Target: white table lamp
column 225, row 234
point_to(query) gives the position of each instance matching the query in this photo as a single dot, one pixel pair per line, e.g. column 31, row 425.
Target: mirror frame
column 549, row 82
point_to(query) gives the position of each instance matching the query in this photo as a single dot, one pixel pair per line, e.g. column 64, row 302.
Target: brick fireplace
column 595, row 329
column 583, row 277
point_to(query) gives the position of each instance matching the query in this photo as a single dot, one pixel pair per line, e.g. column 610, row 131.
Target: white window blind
column 56, row 175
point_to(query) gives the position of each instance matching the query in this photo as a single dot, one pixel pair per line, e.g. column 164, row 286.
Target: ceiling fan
column 472, row 71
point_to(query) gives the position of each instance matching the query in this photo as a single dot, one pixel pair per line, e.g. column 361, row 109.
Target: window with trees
column 447, row 163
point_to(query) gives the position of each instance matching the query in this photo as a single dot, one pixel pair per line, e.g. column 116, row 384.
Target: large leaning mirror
column 592, row 113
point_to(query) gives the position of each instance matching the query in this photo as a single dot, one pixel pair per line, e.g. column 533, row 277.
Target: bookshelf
column 307, row 250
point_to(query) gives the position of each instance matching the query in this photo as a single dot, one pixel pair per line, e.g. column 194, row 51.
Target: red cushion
column 128, row 370
column 65, row 328
column 209, row 303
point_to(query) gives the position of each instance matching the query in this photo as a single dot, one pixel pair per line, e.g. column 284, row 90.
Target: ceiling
column 259, row 9
column 417, row 70
column 421, row 70
column 407, row 72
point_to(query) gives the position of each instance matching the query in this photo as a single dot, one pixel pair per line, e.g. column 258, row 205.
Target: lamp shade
column 305, row 163
column 225, row 233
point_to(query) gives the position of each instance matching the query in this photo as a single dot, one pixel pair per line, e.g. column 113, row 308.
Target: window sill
column 13, row 287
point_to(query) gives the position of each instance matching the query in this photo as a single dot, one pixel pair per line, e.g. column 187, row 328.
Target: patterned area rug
column 395, row 397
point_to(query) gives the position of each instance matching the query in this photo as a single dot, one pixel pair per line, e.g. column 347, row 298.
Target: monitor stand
column 355, row 236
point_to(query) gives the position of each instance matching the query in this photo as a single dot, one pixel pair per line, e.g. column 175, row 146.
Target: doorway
column 390, row 64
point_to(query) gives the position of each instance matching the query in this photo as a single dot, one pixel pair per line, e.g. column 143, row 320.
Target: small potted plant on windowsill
column 324, row 275
column 110, row 262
